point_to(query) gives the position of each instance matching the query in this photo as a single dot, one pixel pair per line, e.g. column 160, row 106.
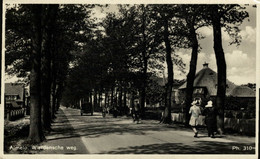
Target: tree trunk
column 95, row 98
column 35, row 133
column 145, row 61
column 120, row 100
column 132, row 94
column 106, row 99
column 48, row 21
column 192, row 71
column 167, row 112
column 59, row 95
column 116, row 98
column 91, row 101
column 100, row 98
column 54, row 85
column 112, row 97
column 221, row 67
column 54, row 72
column 125, row 106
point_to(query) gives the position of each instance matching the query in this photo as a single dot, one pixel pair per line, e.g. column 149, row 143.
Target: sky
column 240, row 60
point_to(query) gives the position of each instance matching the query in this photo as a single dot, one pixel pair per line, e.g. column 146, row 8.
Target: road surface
column 75, row 134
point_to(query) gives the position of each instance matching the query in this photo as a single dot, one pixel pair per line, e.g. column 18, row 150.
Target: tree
column 36, row 133
column 169, row 84
column 40, row 45
column 228, row 16
column 73, row 30
column 24, row 51
column 144, row 44
column 49, row 18
column 192, row 15
column 18, row 41
column 122, row 33
column 155, row 90
column 221, row 65
column 172, row 29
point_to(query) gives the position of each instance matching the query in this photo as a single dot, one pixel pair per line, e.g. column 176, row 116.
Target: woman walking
column 210, row 118
column 195, row 112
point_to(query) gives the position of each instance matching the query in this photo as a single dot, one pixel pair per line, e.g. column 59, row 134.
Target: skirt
column 194, row 121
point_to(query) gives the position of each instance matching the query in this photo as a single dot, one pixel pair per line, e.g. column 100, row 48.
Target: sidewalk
column 63, row 139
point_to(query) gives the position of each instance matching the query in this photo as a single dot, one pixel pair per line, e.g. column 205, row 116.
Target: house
column 205, row 86
column 242, row 92
column 157, row 86
column 241, row 97
column 14, row 95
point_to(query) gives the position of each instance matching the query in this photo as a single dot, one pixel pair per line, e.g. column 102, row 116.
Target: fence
column 243, row 126
column 13, row 114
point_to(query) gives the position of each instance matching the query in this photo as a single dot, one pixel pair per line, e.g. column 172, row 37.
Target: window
column 11, row 97
column 198, row 91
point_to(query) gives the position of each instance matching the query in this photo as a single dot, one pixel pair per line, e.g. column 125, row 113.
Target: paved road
column 97, row 135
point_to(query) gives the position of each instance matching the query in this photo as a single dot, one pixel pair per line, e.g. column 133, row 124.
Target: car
column 86, row 108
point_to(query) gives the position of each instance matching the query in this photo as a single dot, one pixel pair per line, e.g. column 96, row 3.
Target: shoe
column 196, row 134
column 213, row 137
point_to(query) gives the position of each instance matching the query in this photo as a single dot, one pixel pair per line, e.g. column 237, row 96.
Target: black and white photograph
column 127, row 79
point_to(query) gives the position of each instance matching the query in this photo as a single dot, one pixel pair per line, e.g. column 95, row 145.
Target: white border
column 257, row 76
column 132, row 1
column 2, row 85
column 127, row 2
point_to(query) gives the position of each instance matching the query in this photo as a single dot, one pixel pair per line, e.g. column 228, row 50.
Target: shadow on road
column 205, row 147
column 96, row 126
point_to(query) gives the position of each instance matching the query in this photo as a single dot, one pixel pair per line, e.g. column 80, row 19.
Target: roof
column 242, row 91
column 14, row 89
column 208, row 78
column 162, row 81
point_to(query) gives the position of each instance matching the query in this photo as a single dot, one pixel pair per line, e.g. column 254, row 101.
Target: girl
column 195, row 112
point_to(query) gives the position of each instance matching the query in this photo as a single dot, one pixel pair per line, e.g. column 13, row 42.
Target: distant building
column 243, row 95
column 161, row 81
column 14, row 95
column 242, row 92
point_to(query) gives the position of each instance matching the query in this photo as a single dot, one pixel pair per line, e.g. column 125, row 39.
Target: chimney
column 205, row 65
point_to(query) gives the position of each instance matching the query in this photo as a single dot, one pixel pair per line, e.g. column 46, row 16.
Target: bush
column 251, row 106
column 234, row 103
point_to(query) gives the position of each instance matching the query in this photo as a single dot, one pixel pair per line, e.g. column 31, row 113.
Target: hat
column 194, row 103
column 197, row 103
column 210, row 104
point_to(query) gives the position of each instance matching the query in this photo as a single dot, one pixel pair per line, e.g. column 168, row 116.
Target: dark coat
column 210, row 118
column 136, row 108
